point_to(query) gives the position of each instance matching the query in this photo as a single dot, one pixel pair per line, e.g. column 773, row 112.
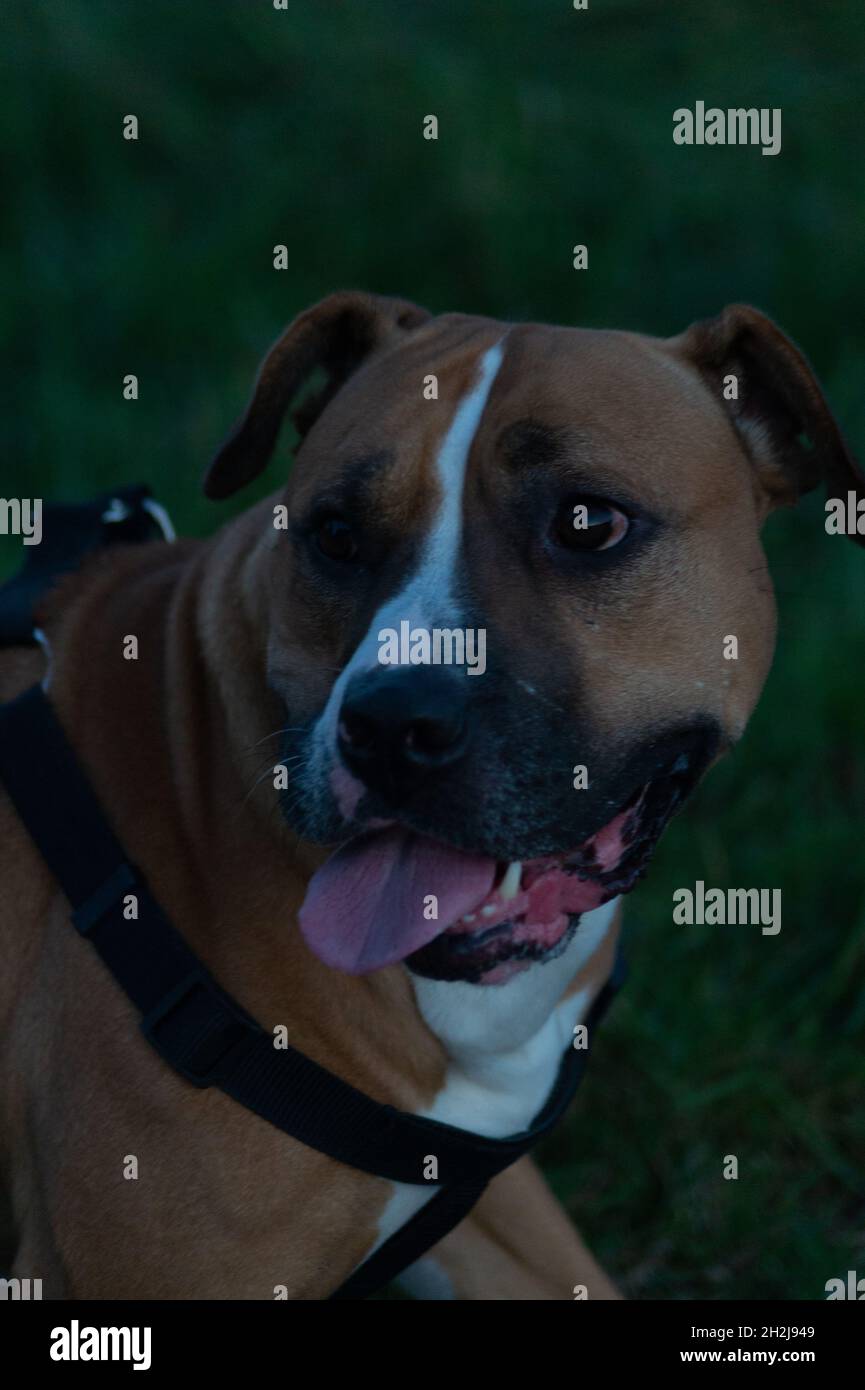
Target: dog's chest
column 504, row 1045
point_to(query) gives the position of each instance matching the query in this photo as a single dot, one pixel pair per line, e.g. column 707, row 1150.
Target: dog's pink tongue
column 365, row 906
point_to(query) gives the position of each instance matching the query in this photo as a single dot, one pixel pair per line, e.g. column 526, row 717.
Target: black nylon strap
column 441, row 1214
column 206, row 1035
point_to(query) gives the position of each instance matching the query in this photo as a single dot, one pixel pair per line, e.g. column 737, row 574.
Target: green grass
column 303, row 127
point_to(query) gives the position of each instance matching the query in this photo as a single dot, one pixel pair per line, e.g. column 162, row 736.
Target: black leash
column 205, row 1034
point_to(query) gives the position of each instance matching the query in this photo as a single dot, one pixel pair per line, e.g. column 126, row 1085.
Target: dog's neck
column 505, row 1042
column 480, row 1021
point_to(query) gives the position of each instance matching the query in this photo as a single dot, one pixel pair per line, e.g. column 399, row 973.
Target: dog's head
column 518, row 606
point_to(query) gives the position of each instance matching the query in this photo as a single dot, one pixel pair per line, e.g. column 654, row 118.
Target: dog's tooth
column 488, row 910
column 468, row 917
column 510, row 884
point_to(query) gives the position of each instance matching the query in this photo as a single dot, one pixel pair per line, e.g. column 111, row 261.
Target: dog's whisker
column 268, row 771
column 543, row 698
column 277, row 733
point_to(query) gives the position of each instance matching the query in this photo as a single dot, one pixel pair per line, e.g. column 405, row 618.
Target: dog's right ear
column 779, row 411
column 335, row 336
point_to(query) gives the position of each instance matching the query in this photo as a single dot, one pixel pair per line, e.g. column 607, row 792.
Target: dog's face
column 576, row 514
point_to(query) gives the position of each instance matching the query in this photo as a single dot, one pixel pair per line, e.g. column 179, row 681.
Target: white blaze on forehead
column 440, row 552
column 427, row 599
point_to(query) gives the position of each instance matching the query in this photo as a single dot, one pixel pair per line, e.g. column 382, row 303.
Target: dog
column 414, row 869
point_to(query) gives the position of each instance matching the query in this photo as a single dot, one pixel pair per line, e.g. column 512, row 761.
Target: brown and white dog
column 435, row 485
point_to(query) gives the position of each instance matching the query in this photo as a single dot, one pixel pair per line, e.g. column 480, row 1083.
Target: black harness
column 194, row 1025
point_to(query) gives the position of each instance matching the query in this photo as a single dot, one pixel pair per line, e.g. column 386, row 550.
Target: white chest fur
column 504, row 1045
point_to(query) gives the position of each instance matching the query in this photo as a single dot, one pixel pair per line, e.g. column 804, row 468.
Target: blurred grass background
column 303, row 127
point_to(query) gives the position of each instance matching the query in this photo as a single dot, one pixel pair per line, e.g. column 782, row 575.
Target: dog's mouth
column 391, row 895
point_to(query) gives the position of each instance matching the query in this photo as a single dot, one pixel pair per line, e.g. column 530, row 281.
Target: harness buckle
column 194, row 1028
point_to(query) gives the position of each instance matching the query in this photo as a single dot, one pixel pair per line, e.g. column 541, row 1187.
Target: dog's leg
column 516, row 1244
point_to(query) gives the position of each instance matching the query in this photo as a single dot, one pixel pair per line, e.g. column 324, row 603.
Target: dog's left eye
column 589, row 523
column 335, row 539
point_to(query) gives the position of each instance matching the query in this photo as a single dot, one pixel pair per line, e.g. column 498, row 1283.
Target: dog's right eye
column 335, row 539
column 589, row 523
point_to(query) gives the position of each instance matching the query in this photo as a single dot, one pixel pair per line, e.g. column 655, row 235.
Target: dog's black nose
column 395, row 726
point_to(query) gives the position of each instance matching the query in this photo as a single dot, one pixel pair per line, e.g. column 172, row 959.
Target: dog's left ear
column 334, row 336
column 774, row 401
